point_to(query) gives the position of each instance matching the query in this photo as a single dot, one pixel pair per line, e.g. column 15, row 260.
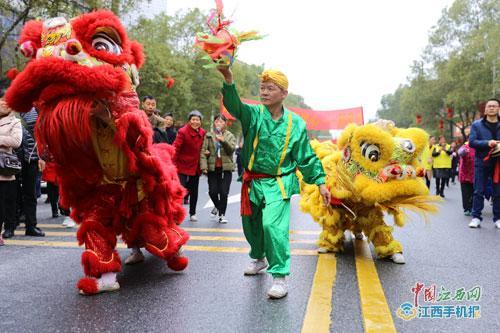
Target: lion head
column 382, row 161
column 90, row 56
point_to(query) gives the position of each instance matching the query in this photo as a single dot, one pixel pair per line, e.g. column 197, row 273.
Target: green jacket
column 226, row 152
column 256, row 119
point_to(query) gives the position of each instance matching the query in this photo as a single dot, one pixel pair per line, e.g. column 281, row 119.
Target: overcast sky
column 336, row 53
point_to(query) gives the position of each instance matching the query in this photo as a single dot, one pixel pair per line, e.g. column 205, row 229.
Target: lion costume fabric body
column 377, row 170
column 81, row 78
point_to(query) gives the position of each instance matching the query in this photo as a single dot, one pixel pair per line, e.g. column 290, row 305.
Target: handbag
column 9, row 164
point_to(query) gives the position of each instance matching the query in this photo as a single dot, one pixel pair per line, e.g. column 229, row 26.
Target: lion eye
column 407, row 145
column 370, row 151
column 102, row 42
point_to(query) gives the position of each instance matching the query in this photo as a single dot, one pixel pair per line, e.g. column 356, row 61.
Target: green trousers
column 267, row 232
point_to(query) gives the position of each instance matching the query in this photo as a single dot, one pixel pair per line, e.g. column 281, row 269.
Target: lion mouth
column 52, row 79
column 399, row 172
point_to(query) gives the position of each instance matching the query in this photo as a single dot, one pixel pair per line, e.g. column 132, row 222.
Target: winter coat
column 466, row 164
column 187, row 150
column 166, row 135
column 226, row 152
column 10, row 134
column 479, row 137
column 28, row 150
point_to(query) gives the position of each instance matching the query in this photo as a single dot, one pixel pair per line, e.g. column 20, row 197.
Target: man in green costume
column 275, row 145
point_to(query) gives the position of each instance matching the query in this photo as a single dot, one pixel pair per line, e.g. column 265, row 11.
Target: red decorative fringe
column 88, row 286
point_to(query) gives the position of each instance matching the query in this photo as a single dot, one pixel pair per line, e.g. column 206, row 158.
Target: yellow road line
column 319, row 306
column 195, row 238
column 376, row 313
column 220, row 230
column 199, row 248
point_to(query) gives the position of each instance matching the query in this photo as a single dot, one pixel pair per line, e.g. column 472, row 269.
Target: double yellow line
column 375, row 310
column 199, row 248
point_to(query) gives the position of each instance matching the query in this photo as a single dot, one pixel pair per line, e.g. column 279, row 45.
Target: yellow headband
column 276, row 77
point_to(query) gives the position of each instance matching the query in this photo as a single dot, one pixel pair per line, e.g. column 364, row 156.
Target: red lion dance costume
column 82, row 79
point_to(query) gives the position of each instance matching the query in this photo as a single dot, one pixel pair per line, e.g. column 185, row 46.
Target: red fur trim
column 71, row 114
column 12, row 73
column 88, row 286
column 92, row 266
column 177, row 263
column 85, row 26
column 32, row 31
column 50, row 78
column 137, row 53
column 94, row 226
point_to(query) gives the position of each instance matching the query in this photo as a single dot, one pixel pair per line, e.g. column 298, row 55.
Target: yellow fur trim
column 390, row 249
column 380, row 228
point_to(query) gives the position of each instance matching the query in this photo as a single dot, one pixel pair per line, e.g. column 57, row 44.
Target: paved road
column 350, row 292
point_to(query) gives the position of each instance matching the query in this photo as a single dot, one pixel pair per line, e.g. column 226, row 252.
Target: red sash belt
column 248, row 176
column 496, row 170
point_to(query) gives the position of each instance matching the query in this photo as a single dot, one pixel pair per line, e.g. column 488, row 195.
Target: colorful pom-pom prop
column 169, row 82
column 28, row 49
column 221, row 43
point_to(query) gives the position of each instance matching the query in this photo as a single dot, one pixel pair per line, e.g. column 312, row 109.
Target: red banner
column 318, row 120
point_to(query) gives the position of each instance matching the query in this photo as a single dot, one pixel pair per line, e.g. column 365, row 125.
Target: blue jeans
column 481, row 175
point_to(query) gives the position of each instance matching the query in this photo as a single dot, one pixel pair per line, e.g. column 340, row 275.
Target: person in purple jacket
column 466, row 176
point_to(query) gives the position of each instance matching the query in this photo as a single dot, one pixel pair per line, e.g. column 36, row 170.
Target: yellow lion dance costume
column 377, row 171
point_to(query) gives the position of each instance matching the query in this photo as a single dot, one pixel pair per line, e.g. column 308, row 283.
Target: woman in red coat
column 187, row 157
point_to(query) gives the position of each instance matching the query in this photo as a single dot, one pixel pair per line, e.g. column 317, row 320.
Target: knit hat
column 195, row 113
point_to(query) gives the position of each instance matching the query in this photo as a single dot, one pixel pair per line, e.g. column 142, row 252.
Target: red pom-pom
column 73, row 46
column 12, row 73
column 88, row 286
column 177, row 263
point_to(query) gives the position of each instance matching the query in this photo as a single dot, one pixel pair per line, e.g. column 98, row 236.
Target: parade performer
column 276, row 144
column 82, row 78
column 376, row 171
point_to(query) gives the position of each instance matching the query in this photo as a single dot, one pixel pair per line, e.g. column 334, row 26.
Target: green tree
column 458, row 69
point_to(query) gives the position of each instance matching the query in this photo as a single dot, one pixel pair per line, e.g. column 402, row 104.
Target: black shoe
column 441, row 195
column 55, row 215
column 8, row 234
column 35, row 232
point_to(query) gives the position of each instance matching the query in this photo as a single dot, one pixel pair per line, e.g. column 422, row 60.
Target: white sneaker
column 475, row 223
column 222, row 219
column 135, row 257
column 323, row 250
column 213, row 213
column 279, row 288
column 68, row 222
column 193, row 218
column 497, row 224
column 256, row 266
column 398, row 258
column 107, row 282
